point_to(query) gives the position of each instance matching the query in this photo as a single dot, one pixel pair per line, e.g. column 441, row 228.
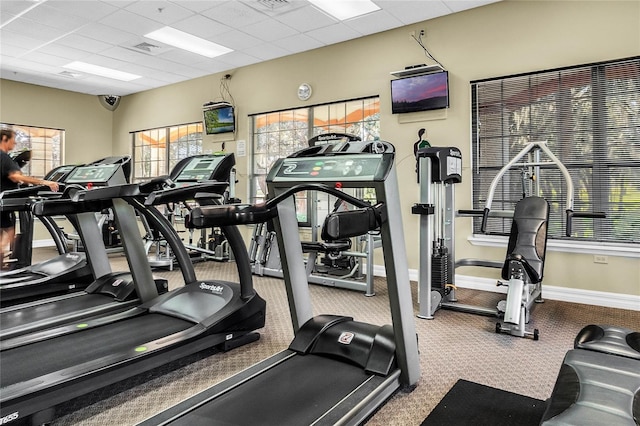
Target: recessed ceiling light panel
column 345, row 9
column 101, row 71
column 186, row 41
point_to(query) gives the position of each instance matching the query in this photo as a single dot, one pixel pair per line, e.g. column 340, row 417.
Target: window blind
column 589, row 116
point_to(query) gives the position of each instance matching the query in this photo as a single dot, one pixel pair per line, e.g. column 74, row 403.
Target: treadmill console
column 353, row 167
column 99, row 175
column 58, row 174
column 205, row 167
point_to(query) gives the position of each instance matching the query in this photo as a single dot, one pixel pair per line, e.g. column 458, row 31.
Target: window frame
column 53, row 156
column 328, row 117
column 598, row 143
column 165, row 160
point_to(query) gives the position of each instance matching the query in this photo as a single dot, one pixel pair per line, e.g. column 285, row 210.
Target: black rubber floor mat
column 469, row 403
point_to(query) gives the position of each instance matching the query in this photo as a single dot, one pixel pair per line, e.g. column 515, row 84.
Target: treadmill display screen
column 199, row 169
column 60, row 173
column 362, row 168
column 96, row 175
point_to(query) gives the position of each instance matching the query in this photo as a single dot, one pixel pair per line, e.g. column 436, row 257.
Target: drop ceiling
column 37, row 38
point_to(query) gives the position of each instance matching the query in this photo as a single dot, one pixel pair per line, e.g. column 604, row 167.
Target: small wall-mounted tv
column 420, row 93
column 219, row 118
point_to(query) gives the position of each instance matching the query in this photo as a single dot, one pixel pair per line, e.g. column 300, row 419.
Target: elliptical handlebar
column 571, row 214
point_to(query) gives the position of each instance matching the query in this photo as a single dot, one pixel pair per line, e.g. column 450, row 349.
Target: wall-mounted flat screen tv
column 420, row 93
column 219, row 118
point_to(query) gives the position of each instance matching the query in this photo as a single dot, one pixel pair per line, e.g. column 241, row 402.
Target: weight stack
column 439, row 269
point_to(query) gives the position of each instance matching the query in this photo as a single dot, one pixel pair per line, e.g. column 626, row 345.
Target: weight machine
column 439, row 169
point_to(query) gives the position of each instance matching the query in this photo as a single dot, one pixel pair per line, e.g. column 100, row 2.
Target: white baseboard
column 564, row 294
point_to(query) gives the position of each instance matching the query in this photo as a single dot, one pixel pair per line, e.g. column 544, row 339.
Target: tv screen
column 420, row 93
column 219, row 118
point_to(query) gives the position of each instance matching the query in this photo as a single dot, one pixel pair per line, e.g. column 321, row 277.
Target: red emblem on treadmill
column 346, row 337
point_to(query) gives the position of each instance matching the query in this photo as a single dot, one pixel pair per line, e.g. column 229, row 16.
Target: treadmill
column 70, row 271
column 108, row 292
column 90, row 354
column 336, row 370
column 20, row 200
column 189, row 171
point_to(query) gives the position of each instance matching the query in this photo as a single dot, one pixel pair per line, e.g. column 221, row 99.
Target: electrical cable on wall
column 426, row 51
column 224, row 89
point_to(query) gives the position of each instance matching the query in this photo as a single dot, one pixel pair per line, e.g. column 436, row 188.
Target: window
column 157, row 151
column 281, row 133
column 590, row 118
column 46, row 147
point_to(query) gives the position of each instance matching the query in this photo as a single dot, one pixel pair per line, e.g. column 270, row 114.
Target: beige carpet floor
column 452, row 346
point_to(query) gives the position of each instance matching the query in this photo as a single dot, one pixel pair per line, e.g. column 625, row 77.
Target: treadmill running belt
column 62, row 307
column 295, row 392
column 32, row 361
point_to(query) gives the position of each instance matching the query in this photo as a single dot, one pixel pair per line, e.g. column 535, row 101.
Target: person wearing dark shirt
column 10, row 178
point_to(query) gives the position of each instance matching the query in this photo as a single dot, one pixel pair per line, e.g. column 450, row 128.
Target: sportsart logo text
column 218, row 289
column 11, row 417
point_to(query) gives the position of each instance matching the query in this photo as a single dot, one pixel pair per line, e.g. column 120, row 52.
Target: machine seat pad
column 528, row 236
column 609, row 339
column 595, row 388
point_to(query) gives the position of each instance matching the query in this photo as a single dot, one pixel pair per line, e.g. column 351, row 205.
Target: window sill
column 622, row 250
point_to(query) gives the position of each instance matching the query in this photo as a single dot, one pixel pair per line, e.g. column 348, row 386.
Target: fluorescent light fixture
column 185, row 41
column 345, row 9
column 101, row 71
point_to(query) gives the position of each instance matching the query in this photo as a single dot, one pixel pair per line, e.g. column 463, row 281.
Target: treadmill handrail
column 244, row 214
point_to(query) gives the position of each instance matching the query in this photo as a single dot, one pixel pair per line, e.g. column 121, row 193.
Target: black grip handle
column 485, row 217
column 470, row 212
column 571, row 214
column 226, row 215
column 174, row 195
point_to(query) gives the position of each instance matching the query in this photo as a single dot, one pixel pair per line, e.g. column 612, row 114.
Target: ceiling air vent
column 276, row 7
column 148, row 48
column 273, row 4
column 70, row 74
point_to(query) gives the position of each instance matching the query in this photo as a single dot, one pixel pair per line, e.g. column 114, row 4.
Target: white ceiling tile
column 6, row 17
column 375, row 22
column 197, row 6
column 236, row 40
column 335, row 33
column 53, row 17
column 409, row 12
column 32, row 29
column 460, row 5
column 164, row 12
column 239, row 59
column 39, row 57
column 11, row 51
column 298, row 43
column 201, row 26
column 105, row 34
column 57, row 49
column 14, row 7
column 234, row 14
column 83, row 43
column 306, row 19
column 23, row 41
column 124, row 20
column 267, row 51
column 89, row 11
column 269, row 30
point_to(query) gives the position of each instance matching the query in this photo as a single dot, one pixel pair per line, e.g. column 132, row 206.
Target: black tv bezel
column 394, row 110
column 218, row 106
